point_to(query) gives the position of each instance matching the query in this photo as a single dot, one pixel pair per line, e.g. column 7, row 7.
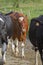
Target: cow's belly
column 21, row 37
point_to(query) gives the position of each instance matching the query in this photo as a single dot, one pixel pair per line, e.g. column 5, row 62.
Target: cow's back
column 9, row 25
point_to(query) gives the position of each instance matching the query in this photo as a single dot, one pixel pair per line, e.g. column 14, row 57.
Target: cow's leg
column 16, row 46
column 42, row 56
column 9, row 42
column 23, row 49
column 4, row 47
column 41, row 53
column 13, row 46
column 36, row 53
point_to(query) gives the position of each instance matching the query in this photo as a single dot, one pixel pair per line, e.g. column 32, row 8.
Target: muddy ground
column 29, row 59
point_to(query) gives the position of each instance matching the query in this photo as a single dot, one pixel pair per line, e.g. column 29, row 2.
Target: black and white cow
column 36, row 35
column 3, row 35
column 6, row 27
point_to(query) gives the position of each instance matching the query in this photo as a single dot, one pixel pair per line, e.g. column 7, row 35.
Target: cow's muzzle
column 23, row 29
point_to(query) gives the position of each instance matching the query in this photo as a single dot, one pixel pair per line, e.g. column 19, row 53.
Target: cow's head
column 24, row 23
column 24, row 26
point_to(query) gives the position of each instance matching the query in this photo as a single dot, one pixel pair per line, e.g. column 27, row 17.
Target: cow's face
column 22, row 23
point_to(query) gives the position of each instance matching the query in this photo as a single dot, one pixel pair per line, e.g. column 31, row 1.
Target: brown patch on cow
column 19, row 25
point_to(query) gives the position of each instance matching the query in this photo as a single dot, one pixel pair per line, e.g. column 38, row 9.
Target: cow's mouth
column 23, row 29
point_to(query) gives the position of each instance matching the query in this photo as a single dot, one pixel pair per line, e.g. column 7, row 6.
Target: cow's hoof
column 17, row 53
column 8, row 46
column 23, row 56
column 4, row 61
column 13, row 51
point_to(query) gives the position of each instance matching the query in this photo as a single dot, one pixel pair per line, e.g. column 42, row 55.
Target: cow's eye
column 37, row 24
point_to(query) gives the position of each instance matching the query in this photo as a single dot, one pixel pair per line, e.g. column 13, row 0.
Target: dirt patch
column 29, row 56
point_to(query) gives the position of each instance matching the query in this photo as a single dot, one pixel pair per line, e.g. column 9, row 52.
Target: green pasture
column 31, row 9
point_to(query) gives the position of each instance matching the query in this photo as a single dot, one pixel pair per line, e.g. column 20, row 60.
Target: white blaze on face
column 1, row 20
column 21, row 18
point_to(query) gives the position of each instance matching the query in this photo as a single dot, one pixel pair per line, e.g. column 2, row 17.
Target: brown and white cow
column 20, row 22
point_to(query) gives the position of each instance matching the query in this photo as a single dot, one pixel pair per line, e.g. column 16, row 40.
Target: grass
column 31, row 9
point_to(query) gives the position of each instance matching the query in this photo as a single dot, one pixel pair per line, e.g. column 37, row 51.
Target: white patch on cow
column 1, row 20
column 23, row 49
column 4, row 47
column 3, row 57
column 17, row 50
column 0, row 52
column 37, row 52
column 21, row 18
column 4, row 51
column 13, row 47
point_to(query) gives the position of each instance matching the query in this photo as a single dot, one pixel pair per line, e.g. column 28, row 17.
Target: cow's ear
column 26, row 17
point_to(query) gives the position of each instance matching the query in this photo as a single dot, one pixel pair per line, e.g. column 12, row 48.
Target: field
column 31, row 9
column 29, row 58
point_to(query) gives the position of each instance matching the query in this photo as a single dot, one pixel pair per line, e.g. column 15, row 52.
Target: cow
column 6, row 30
column 20, row 22
column 36, row 35
column 3, row 36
